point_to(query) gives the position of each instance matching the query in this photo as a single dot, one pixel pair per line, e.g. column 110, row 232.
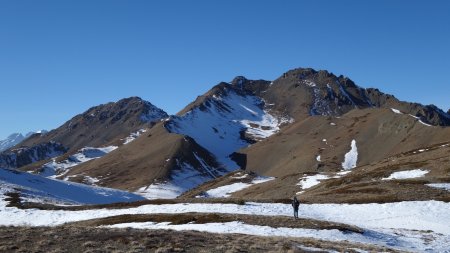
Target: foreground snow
column 392, row 224
column 242, row 228
column 411, row 240
column 420, row 215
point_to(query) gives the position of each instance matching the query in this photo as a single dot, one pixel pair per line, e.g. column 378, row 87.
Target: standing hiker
column 295, row 204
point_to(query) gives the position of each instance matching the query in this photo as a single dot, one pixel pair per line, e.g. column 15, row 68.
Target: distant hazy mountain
column 16, row 138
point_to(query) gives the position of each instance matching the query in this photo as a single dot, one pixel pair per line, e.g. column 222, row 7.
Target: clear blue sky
column 58, row 58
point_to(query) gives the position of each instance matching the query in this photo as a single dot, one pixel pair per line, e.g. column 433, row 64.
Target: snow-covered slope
column 35, row 188
column 222, row 122
column 11, row 140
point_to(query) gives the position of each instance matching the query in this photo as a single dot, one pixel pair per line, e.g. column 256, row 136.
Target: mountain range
column 304, row 123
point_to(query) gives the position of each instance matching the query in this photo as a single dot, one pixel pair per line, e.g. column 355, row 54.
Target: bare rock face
column 19, row 157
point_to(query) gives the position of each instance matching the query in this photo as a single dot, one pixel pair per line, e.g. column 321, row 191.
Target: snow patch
column 240, row 177
column 351, row 157
column 318, row 158
column 313, row 180
column 396, row 111
column 226, row 190
column 445, row 186
column 420, row 121
column 160, row 191
column 310, row 181
column 134, row 135
column 407, row 174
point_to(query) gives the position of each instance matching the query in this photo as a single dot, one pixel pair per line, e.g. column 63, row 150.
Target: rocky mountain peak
column 98, row 126
column 239, row 81
column 123, row 110
column 305, row 91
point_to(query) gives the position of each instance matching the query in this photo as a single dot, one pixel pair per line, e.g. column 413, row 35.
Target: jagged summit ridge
column 304, row 91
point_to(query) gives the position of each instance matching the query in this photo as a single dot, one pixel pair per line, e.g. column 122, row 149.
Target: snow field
column 389, row 224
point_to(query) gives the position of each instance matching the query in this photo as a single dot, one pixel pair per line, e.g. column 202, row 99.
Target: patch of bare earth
column 203, row 218
column 94, row 239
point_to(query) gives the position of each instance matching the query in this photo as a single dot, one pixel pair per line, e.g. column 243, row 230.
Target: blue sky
column 58, row 58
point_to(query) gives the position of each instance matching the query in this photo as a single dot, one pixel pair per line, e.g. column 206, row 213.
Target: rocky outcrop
column 19, row 157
